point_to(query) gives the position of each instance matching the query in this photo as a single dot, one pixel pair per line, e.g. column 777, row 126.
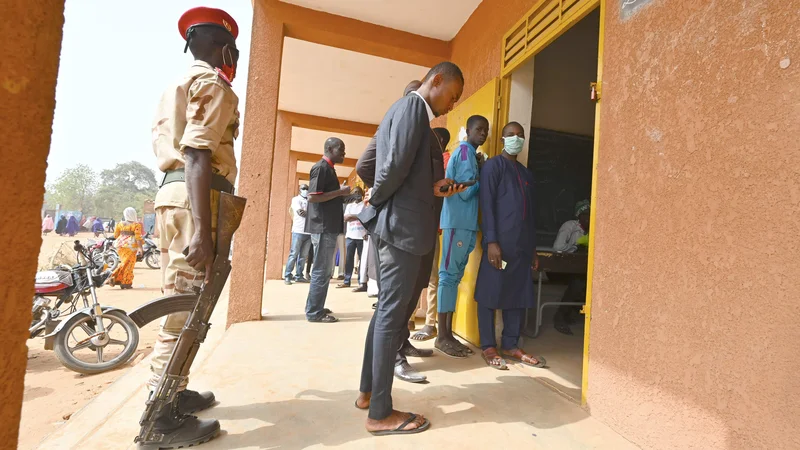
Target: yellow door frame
column 505, row 97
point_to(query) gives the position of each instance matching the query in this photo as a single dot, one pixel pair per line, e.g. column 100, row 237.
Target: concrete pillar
column 28, row 69
column 293, row 191
column 279, row 199
column 255, row 179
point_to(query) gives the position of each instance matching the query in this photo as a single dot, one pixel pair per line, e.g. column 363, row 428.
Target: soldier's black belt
column 218, row 182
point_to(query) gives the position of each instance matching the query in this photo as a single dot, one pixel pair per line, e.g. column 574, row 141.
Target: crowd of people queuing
column 405, row 255
column 416, row 195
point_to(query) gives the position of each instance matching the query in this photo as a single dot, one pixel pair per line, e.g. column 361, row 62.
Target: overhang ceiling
column 313, row 141
column 341, row 84
column 439, row 19
column 305, row 167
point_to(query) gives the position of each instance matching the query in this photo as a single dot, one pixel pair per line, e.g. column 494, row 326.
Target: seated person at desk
column 505, row 277
column 573, row 237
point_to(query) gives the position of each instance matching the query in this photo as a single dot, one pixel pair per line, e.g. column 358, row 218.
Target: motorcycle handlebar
column 78, row 247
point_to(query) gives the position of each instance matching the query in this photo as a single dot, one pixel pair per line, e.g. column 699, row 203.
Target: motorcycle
column 151, row 255
column 89, row 340
column 103, row 252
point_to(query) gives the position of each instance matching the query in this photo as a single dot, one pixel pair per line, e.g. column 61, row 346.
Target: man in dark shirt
column 324, row 222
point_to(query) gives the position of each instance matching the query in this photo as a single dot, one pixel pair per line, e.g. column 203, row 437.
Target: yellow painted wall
column 484, row 103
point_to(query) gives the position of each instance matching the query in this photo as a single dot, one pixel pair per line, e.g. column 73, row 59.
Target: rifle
column 231, row 209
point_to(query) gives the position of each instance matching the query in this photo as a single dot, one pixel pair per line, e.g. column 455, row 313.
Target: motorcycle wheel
column 112, row 261
column 77, row 351
column 153, row 259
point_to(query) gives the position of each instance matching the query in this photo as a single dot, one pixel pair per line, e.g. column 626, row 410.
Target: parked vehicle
column 89, row 340
column 103, row 252
column 151, row 255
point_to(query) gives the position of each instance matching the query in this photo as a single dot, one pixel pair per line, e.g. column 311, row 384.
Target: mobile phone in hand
column 469, row 183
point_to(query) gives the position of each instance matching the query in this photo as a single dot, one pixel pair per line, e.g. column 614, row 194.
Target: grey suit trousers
column 423, row 278
column 397, row 276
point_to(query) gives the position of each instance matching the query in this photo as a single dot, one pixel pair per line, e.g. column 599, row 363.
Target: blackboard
column 561, row 164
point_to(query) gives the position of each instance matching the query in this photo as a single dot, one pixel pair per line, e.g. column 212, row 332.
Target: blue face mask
column 513, row 144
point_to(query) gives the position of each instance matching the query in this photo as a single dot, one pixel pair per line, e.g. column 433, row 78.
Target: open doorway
column 551, row 96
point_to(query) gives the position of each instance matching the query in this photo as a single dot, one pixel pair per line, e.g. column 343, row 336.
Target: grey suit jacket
column 402, row 206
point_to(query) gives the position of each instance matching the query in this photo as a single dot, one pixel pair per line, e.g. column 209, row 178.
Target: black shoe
column 410, row 350
column 563, row 328
column 287, row 281
column 362, row 288
column 327, row 311
column 179, row 431
column 375, row 305
column 301, row 280
column 325, row 318
column 405, row 372
column 340, row 277
column 192, row 401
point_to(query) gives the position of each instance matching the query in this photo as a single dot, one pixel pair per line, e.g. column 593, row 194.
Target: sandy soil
column 52, row 392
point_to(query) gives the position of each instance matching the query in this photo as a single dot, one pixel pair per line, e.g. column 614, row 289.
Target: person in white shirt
column 301, row 241
column 573, row 232
column 573, row 237
column 354, row 235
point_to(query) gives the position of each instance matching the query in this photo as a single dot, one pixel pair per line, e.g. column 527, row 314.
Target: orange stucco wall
column 28, row 71
column 476, row 47
column 695, row 325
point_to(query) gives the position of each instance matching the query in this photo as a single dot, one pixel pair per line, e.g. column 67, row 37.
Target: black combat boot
column 192, row 401
column 175, row 430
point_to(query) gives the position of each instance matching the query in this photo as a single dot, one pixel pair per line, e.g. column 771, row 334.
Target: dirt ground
column 52, row 392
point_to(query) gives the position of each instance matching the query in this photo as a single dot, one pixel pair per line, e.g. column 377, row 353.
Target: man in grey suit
column 400, row 219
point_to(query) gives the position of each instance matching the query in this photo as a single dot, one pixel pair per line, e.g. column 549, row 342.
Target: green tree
column 127, row 184
column 75, row 188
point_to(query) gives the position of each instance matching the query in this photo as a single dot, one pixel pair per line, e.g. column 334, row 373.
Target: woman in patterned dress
column 128, row 234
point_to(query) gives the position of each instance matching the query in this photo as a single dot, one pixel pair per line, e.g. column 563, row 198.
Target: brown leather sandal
column 494, row 360
column 521, row 357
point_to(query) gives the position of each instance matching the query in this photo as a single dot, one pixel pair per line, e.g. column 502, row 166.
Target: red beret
column 207, row 16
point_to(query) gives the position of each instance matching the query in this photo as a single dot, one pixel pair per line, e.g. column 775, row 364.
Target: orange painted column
column 293, row 191
column 255, row 179
column 279, row 199
column 28, row 70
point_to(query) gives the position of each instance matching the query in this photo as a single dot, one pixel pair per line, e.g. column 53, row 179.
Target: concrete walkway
column 287, row 383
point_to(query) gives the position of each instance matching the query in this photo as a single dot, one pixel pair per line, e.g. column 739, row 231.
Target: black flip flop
column 399, row 430
column 324, row 319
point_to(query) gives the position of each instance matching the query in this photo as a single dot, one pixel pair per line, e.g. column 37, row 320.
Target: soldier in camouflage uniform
column 195, row 126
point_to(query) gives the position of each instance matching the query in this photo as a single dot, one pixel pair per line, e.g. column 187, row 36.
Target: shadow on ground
column 308, row 418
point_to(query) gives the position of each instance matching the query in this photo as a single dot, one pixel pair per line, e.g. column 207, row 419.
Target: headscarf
column 130, row 214
column 62, row 224
column 582, row 206
column 47, row 223
column 72, row 225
